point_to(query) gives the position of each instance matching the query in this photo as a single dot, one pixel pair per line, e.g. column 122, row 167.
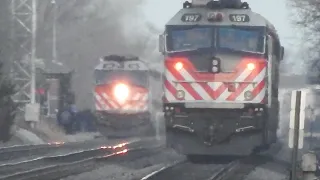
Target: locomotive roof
column 115, row 57
column 123, row 62
column 255, row 18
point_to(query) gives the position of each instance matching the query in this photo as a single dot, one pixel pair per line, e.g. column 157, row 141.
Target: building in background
column 53, row 83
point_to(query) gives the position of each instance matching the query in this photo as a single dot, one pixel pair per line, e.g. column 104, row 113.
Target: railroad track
column 236, row 169
column 57, row 167
column 187, row 171
column 8, row 153
column 32, row 151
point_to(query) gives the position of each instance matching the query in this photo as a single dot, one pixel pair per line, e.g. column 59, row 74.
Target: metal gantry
column 24, row 25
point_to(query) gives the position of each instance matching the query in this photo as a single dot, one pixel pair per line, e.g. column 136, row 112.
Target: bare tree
column 306, row 16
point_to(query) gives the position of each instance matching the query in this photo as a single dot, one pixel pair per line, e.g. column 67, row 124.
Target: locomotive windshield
column 227, row 38
column 194, row 38
column 139, row 78
column 240, row 40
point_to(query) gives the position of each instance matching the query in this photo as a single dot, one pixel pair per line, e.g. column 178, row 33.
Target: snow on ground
column 276, row 169
column 13, row 142
column 48, row 131
column 45, row 132
column 267, row 172
column 135, row 169
column 28, row 137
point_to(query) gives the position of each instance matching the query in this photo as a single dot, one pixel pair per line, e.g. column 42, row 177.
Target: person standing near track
column 67, row 118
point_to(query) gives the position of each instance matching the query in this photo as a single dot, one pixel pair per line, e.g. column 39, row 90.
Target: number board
column 192, row 17
column 239, row 18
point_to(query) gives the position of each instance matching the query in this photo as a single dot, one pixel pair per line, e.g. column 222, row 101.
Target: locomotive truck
column 221, row 79
column 123, row 97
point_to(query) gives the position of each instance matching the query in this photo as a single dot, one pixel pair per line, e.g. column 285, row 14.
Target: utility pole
column 294, row 156
column 54, row 32
column 24, row 30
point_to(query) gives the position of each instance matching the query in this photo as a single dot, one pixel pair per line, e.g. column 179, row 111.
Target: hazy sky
column 160, row 11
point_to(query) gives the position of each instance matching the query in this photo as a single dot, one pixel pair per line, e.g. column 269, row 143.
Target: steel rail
column 163, row 169
column 184, row 170
column 236, row 169
column 22, row 151
column 8, row 153
column 9, row 168
column 226, row 170
column 63, row 169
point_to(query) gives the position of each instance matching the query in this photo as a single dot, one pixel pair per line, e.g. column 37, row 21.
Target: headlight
column 251, row 66
column 248, row 96
column 178, row 66
column 180, row 94
column 121, row 92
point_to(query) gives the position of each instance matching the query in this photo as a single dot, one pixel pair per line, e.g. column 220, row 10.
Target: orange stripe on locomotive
column 122, row 97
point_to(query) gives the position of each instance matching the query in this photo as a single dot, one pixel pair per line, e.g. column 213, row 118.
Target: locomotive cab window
column 241, row 39
column 189, row 38
column 139, row 78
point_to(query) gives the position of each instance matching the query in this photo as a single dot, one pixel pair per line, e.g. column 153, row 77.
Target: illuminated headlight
column 248, row 95
column 180, row 94
column 215, row 69
column 251, row 66
column 121, row 92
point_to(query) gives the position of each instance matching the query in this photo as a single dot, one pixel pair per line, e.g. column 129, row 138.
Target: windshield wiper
column 191, row 27
column 239, row 50
column 248, row 28
column 197, row 50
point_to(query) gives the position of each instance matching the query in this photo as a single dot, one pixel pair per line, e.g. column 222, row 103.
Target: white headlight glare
column 121, row 92
column 215, row 69
column 251, row 66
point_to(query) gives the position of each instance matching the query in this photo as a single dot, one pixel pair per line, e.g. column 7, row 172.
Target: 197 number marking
column 239, row 18
column 191, row 18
